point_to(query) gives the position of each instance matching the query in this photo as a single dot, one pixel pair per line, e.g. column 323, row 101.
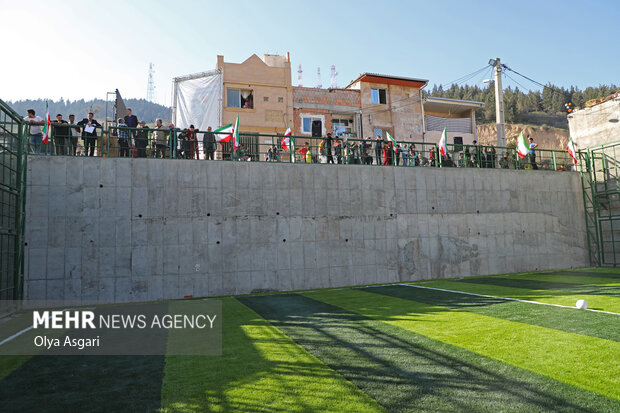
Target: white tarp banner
column 198, row 102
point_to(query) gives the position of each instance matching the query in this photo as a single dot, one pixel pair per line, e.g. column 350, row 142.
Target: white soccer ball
column 582, row 304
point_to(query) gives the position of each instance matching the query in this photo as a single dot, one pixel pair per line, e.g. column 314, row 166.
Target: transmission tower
column 150, row 88
column 333, row 84
column 318, row 75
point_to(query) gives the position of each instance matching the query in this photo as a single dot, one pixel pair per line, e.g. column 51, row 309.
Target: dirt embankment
column 545, row 136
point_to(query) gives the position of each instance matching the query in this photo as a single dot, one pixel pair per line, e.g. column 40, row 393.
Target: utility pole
column 499, row 103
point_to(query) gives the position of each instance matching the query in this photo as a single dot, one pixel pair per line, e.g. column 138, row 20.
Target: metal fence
column 183, row 144
column 12, row 202
column 601, row 194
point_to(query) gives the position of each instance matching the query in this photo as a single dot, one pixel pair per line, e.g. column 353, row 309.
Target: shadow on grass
column 405, row 371
column 84, row 384
column 261, row 369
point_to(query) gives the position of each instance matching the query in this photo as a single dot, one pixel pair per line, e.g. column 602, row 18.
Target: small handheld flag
column 236, row 134
column 443, row 149
column 47, row 125
column 286, row 140
column 224, row 134
column 394, row 143
column 522, row 148
column 571, row 149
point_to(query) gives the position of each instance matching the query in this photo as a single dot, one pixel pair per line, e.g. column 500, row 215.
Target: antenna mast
column 318, row 75
column 299, row 71
column 333, row 84
column 150, row 88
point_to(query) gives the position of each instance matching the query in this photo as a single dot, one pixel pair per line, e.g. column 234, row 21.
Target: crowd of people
column 134, row 137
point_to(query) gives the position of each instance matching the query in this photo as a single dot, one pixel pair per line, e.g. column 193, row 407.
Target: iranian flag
column 224, row 134
column 394, row 143
column 236, row 134
column 571, row 150
column 47, row 125
column 286, row 140
column 443, row 149
column 522, row 147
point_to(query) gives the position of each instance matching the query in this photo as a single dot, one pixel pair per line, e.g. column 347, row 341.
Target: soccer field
column 453, row 345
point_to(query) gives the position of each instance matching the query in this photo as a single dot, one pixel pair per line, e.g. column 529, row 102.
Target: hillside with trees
column 143, row 109
column 532, row 107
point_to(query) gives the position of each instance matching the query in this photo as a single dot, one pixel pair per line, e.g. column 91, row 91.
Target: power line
column 514, row 80
column 461, row 79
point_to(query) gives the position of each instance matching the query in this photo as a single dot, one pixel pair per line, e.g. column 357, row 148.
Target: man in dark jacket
column 89, row 133
column 378, row 149
column 142, row 137
column 132, row 122
column 61, row 134
column 208, row 143
column 328, row 148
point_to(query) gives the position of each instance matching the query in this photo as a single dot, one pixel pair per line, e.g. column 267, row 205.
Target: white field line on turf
column 6, row 340
column 500, row 298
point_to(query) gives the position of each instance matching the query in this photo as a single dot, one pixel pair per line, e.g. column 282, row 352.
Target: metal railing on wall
column 183, row 144
column 12, row 202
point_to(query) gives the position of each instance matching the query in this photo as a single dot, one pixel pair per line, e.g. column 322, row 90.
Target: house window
column 378, row 132
column 306, row 124
column 266, row 99
column 239, row 98
column 378, row 96
column 342, row 126
column 280, row 100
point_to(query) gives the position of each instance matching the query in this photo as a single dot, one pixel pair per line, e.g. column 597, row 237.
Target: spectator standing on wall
column 386, row 154
column 36, row 135
column 123, row 139
column 338, row 151
column 242, row 154
column 329, row 141
column 142, row 138
column 173, row 141
column 160, row 139
column 184, row 142
column 532, row 153
column 191, row 140
column 405, row 152
column 89, row 133
column 504, row 162
column 61, row 135
column 75, row 133
column 208, row 143
column 379, row 149
column 131, row 121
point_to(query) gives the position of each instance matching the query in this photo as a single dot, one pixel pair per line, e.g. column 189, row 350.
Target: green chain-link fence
column 13, row 159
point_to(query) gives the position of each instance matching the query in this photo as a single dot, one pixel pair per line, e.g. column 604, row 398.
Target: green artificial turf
column 394, row 348
column 588, row 362
column 567, row 298
column 405, row 371
column 565, row 319
column 261, row 369
column 83, row 384
column 566, row 277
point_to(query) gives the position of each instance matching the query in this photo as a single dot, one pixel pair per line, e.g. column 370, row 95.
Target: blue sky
column 76, row 49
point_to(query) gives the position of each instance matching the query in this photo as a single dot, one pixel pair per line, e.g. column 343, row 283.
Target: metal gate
column 600, row 178
column 13, row 158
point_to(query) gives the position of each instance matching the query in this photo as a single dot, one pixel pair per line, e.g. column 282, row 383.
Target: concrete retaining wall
column 117, row 230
